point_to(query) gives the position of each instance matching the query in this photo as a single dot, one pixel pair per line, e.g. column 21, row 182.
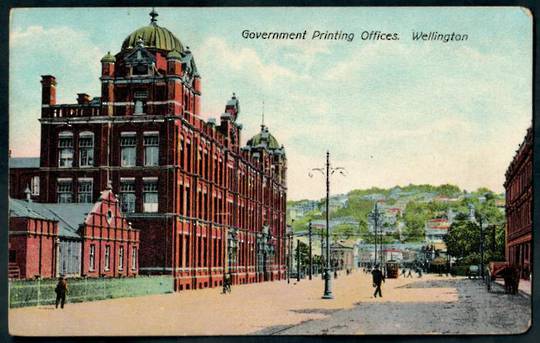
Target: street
column 429, row 305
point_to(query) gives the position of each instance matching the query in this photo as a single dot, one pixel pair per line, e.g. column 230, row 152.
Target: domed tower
column 265, row 148
column 152, row 74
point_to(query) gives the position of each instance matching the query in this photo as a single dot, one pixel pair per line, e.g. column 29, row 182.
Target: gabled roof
column 24, row 162
column 68, row 216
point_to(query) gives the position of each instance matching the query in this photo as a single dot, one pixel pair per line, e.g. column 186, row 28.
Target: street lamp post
column 289, row 249
column 310, row 256
column 297, row 260
column 328, row 171
column 374, row 215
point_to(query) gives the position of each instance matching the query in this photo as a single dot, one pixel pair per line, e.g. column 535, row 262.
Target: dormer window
column 140, row 69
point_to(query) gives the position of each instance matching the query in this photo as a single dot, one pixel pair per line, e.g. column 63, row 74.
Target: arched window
column 86, row 149
column 65, row 149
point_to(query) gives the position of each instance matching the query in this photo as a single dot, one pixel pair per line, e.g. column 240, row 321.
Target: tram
column 392, row 269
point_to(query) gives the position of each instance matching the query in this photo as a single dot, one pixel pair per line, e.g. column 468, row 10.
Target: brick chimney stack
column 48, row 90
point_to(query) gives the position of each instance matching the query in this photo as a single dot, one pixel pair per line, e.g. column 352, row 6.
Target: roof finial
column 262, row 115
column 153, row 16
column 28, row 193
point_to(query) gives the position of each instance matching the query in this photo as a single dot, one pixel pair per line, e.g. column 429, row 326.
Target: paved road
column 475, row 312
column 432, row 304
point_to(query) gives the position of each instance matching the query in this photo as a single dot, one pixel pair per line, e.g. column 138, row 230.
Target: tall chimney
column 48, row 90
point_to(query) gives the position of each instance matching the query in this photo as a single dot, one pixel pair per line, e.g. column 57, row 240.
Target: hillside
column 414, row 205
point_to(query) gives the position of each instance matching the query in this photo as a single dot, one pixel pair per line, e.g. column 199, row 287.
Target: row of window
column 128, row 149
column 64, row 193
column 64, row 190
column 107, row 258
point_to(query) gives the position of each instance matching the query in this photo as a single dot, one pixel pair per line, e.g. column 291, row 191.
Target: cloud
column 242, row 61
column 66, row 53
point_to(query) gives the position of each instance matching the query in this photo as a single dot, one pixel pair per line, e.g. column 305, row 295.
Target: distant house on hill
column 302, row 208
column 436, row 229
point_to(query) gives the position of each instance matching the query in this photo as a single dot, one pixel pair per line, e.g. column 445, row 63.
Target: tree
column 463, row 238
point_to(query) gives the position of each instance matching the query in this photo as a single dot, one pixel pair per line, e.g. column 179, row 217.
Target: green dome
column 108, row 58
column 264, row 138
column 153, row 36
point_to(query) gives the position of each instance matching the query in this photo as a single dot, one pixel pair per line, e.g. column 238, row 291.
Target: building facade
column 77, row 239
column 205, row 205
column 518, row 187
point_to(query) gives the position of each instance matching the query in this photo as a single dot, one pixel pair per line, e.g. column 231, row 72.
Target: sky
column 390, row 112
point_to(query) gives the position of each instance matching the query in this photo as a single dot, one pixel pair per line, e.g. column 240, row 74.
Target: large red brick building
column 205, row 205
column 518, row 186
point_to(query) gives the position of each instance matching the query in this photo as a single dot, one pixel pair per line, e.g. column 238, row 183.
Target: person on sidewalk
column 378, row 278
column 227, row 282
column 61, row 290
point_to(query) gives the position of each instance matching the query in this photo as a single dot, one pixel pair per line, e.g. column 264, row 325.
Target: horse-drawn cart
column 505, row 271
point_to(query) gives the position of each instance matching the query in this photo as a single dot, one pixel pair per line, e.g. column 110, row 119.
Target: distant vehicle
column 392, row 269
column 473, row 272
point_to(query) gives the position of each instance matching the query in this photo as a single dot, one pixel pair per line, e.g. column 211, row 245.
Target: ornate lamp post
column 289, row 252
column 375, row 216
column 327, row 172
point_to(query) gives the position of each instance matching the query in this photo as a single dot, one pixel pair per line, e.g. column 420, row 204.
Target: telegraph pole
column 310, row 256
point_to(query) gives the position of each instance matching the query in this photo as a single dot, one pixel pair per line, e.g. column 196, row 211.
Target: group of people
column 408, row 272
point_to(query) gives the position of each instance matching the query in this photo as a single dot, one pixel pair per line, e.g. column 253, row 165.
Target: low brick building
column 49, row 239
column 518, row 186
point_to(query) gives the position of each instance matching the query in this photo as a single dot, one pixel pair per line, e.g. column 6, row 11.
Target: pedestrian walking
column 378, row 278
column 227, row 282
column 403, row 272
column 61, row 291
column 409, row 274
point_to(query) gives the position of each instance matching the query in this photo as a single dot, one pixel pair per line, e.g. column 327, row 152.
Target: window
column 85, row 190
column 140, row 98
column 150, row 196
column 107, row 257
column 12, row 256
column 140, row 69
column 139, row 107
column 64, row 191
column 65, row 150
column 127, row 195
column 134, row 258
column 34, row 185
column 86, row 149
column 92, row 262
column 128, row 143
column 109, row 216
column 151, row 149
column 121, row 258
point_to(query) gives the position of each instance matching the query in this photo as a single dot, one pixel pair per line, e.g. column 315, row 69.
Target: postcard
column 270, row 171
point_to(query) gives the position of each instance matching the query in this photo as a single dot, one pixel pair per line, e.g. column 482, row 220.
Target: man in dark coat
column 378, row 278
column 61, row 290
